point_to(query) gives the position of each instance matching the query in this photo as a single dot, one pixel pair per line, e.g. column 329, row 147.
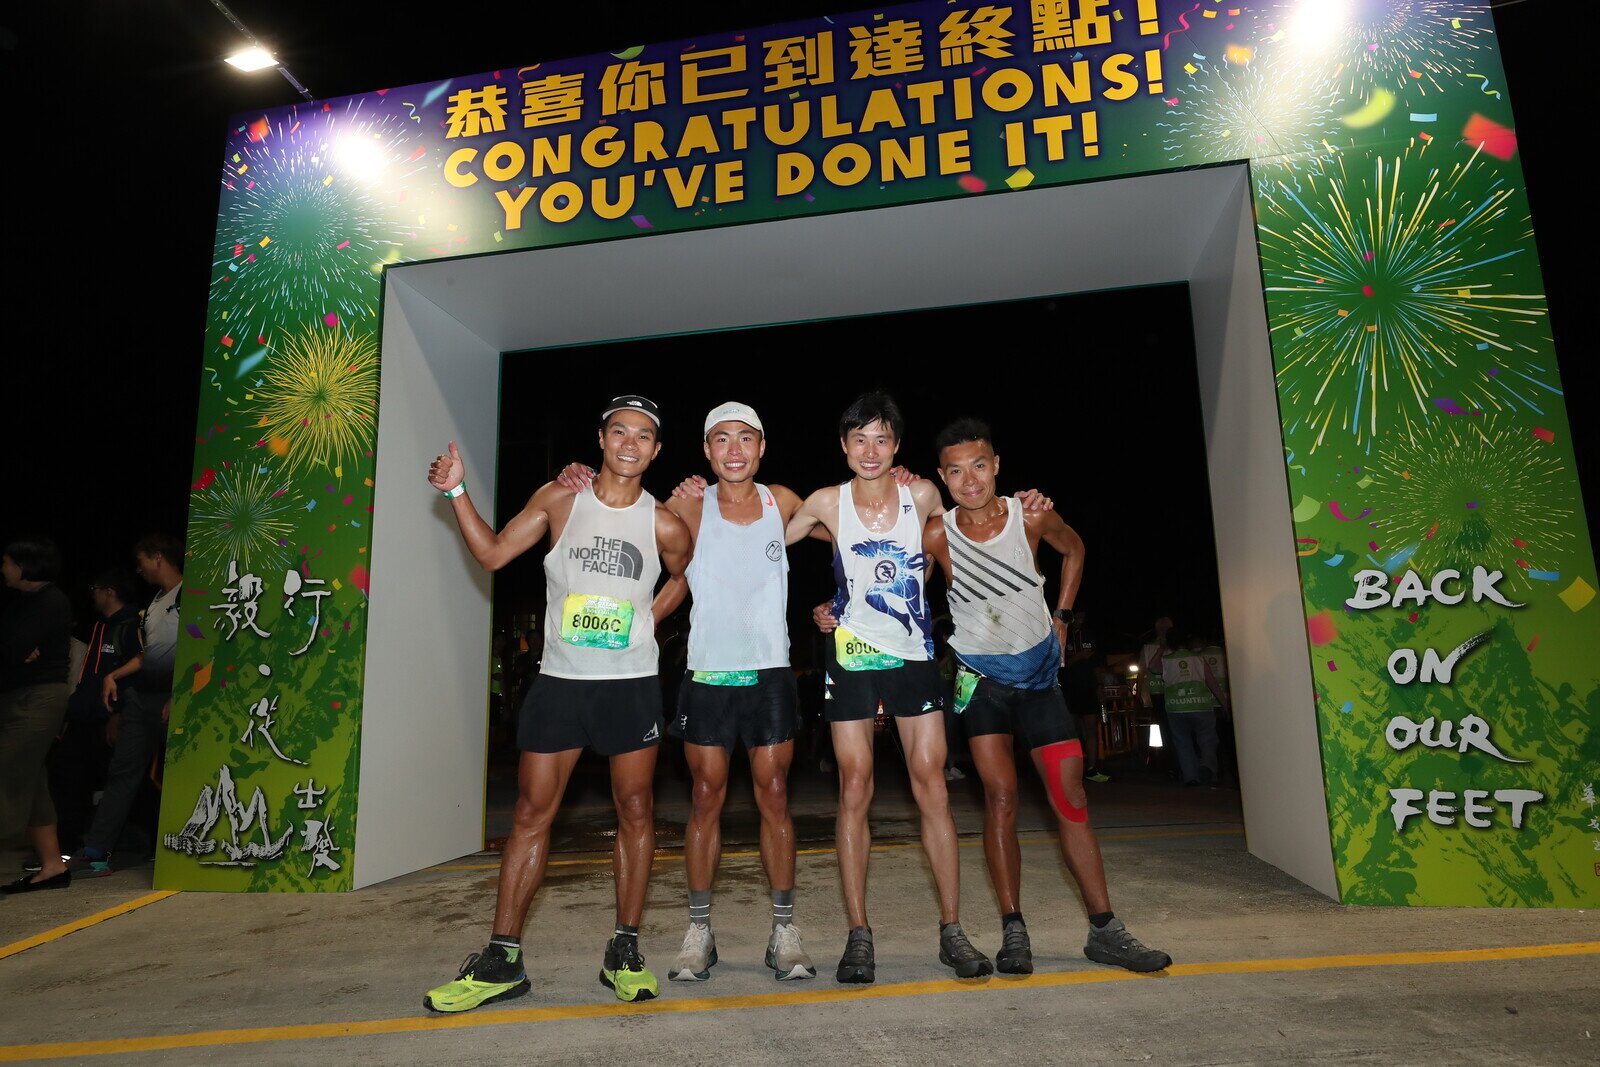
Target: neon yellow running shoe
column 494, row 974
column 625, row 974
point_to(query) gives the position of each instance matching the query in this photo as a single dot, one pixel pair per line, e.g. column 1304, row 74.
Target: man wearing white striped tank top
column 1009, row 647
column 598, row 685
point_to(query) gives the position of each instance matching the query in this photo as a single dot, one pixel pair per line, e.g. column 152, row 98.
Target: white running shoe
column 786, row 956
column 697, row 957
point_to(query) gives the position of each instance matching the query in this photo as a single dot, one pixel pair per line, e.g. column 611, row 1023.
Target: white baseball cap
column 733, row 411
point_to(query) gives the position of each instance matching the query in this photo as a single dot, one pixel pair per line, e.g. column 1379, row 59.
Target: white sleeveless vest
column 739, row 579
column 600, row 579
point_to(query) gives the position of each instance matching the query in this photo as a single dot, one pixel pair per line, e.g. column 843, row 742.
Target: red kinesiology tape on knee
column 1053, row 756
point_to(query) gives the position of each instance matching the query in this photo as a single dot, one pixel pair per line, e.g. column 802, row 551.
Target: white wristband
column 457, row 491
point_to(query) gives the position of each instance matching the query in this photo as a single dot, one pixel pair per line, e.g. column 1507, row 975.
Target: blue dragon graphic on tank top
column 896, row 589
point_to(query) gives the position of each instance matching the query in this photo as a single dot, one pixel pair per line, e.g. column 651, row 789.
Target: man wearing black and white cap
column 738, row 687
column 597, row 686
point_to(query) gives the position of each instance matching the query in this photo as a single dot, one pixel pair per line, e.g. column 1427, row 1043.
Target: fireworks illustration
column 1468, row 491
column 1260, row 111
column 241, row 515
column 1395, row 45
column 318, row 398
column 302, row 218
column 1393, row 279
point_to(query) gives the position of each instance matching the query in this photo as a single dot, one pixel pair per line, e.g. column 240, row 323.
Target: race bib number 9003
column 596, row 621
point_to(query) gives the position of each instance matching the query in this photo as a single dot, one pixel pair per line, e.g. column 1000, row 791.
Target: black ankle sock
column 624, row 930
column 1099, row 920
column 507, row 940
column 945, row 928
column 1011, row 917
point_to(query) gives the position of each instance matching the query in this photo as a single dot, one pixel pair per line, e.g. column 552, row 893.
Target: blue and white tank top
column 884, row 575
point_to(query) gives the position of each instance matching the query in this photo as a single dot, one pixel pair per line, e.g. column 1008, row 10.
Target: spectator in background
column 1227, row 754
column 1081, row 683
column 80, row 756
column 1152, row 685
column 138, row 700
column 1192, row 699
column 35, row 632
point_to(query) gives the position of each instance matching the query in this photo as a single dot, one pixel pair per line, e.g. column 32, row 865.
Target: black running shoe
column 858, row 966
column 1112, row 944
column 957, row 953
column 1016, row 951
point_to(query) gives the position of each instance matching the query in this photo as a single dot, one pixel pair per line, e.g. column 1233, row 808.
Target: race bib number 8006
column 855, row 654
column 596, row 621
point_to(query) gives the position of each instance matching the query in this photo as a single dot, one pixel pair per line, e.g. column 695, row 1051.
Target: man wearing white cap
column 738, row 687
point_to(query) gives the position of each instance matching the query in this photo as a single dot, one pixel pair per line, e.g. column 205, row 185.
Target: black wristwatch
column 1064, row 614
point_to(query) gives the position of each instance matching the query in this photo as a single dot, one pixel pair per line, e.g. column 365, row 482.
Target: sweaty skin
column 628, row 443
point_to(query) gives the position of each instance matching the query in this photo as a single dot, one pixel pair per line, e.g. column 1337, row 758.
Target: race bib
column 966, row 685
column 856, row 655
column 726, row 677
column 596, row 621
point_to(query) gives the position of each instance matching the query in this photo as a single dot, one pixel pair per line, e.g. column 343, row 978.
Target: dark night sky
column 119, row 111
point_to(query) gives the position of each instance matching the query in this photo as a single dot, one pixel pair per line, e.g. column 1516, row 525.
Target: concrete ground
column 1266, row 970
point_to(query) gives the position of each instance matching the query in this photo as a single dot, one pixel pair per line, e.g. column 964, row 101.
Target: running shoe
column 494, row 974
column 697, row 957
column 624, row 972
column 957, row 953
column 787, row 957
column 1016, row 951
column 1112, row 944
column 858, row 965
column 83, row 867
column 1097, row 776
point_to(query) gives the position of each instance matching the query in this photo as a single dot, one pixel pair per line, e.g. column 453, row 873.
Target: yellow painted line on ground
column 824, row 995
column 83, row 924
column 675, row 856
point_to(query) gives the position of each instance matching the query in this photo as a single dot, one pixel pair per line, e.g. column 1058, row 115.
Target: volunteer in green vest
column 1192, row 697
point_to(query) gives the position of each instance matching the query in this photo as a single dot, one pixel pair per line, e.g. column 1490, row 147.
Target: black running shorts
column 1036, row 717
column 911, row 689
column 610, row 715
column 761, row 714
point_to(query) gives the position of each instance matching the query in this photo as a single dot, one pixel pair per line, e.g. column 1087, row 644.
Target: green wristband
column 457, row 491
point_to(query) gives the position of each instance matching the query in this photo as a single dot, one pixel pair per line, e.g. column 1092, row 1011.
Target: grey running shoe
column 1016, row 951
column 697, row 957
column 957, row 953
column 786, row 956
column 858, row 966
column 1112, row 944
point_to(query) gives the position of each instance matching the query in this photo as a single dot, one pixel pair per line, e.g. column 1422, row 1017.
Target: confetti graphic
column 1387, row 273
column 1397, row 45
column 1259, row 112
column 243, row 514
column 303, row 217
column 1475, row 492
column 319, row 398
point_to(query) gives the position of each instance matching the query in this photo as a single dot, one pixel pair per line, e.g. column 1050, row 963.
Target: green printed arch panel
column 1424, row 427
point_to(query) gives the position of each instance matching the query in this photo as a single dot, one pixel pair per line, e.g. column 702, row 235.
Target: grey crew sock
column 783, row 907
column 700, row 906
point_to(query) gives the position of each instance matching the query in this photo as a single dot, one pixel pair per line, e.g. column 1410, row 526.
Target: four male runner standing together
column 728, row 548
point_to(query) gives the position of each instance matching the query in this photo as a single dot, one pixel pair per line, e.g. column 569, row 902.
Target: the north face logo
column 610, row 555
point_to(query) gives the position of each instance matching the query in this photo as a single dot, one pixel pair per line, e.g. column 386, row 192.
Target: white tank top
column 739, row 578
column 600, row 578
column 884, row 573
column 1003, row 629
